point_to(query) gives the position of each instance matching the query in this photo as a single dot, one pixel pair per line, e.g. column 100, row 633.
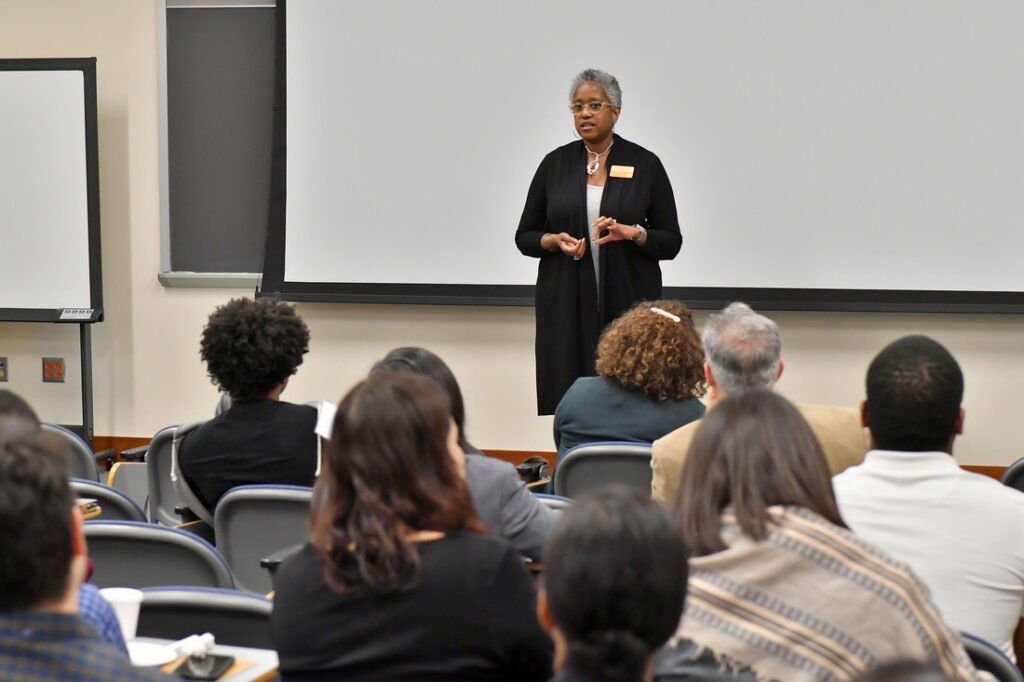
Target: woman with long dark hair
column 506, row 507
column 779, row 588
column 398, row 581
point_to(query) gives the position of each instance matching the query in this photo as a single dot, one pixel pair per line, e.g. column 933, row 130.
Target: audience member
column 744, row 350
column 613, row 587
column 778, row 586
column 399, row 581
column 502, row 502
column 650, row 368
column 42, row 565
column 962, row 533
column 251, row 348
column 91, row 605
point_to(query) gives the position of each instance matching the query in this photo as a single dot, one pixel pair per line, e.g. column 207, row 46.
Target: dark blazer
column 571, row 308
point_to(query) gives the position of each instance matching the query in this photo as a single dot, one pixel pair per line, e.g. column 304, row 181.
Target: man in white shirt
column 961, row 533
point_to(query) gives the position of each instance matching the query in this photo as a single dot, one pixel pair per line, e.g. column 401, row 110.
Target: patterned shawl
column 812, row 602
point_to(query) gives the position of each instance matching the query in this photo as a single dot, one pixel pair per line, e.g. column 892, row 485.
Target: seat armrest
column 272, row 561
column 135, row 454
column 105, row 455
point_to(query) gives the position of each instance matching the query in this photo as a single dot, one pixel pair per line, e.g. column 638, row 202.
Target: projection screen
column 823, row 154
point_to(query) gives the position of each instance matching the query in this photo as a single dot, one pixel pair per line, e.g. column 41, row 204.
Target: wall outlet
column 53, row 370
column 3, row 369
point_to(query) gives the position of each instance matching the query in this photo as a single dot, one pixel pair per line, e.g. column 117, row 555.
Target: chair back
column 556, row 502
column 181, row 485
column 254, row 521
column 235, row 618
column 130, row 554
column 163, row 498
column 989, row 658
column 81, row 460
column 131, row 479
column 1014, row 475
column 593, row 465
column 114, row 505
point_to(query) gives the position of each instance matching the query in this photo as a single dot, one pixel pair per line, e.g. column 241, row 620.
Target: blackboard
column 219, row 115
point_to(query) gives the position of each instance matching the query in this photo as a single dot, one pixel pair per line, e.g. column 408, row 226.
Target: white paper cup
column 125, row 602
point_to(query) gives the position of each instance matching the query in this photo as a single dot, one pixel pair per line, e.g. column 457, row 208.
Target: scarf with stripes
column 812, row 602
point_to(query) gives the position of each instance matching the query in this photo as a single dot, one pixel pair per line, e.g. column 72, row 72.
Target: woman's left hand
column 617, row 232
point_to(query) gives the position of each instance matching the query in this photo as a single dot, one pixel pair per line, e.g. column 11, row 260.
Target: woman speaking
column 600, row 215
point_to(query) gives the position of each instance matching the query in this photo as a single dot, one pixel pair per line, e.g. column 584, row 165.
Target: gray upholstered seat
column 254, row 521
column 131, row 479
column 131, row 554
column 81, row 459
column 163, row 498
column 235, row 618
column 1014, row 475
column 988, row 657
column 554, row 501
column 114, row 505
column 592, row 465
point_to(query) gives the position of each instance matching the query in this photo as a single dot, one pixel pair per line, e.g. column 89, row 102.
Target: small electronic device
column 206, row 668
column 87, row 504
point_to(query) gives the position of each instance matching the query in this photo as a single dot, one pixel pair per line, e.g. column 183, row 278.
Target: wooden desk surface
column 251, row 665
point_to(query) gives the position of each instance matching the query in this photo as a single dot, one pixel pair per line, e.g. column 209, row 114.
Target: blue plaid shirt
column 98, row 612
column 40, row 645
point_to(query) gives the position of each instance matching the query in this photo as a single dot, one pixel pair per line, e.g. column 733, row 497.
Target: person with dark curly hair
column 251, row 347
column 650, row 366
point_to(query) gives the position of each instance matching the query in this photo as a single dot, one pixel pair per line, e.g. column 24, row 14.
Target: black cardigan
column 569, row 316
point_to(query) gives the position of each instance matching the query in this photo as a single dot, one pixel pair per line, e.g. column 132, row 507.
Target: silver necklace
column 593, row 165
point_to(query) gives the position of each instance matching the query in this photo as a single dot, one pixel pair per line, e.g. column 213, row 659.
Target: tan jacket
column 838, row 429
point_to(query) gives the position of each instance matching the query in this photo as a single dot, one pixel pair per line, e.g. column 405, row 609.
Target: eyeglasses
column 577, row 108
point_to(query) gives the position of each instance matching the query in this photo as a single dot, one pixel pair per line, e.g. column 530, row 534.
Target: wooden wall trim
column 995, row 472
column 119, row 443
column 515, row 457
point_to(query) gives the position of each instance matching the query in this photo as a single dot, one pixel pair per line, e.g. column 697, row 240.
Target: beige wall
column 147, row 371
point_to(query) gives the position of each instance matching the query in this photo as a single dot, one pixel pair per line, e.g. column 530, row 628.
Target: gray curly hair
column 742, row 347
column 607, row 81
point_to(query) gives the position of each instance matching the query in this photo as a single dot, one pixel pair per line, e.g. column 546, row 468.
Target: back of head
column 653, row 347
column 422, row 361
column 13, row 404
column 743, row 348
column 752, row 451
column 251, row 346
column 35, row 518
column 914, row 388
column 388, row 471
column 615, row 579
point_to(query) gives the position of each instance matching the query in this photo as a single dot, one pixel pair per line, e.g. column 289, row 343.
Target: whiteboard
column 49, row 224
column 815, row 147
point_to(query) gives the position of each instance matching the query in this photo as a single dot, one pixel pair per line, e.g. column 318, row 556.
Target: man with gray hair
column 743, row 349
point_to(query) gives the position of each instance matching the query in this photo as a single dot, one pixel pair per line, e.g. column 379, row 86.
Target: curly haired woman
column 251, row 348
column 650, row 366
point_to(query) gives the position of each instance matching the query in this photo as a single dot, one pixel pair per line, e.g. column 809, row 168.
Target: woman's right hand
column 569, row 245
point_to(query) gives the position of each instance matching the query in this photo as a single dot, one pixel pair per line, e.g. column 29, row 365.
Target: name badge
column 621, row 172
